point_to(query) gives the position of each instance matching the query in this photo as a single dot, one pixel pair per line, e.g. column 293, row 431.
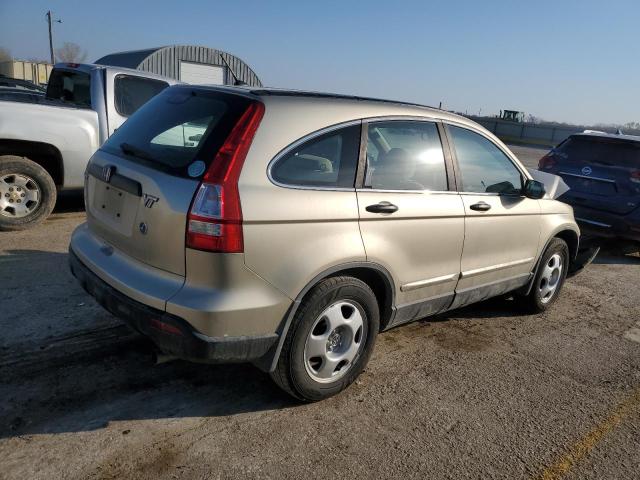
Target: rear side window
column 328, row 160
column 483, row 166
column 405, row 155
column 132, row 92
column 178, row 126
column 73, row 87
column 600, row 151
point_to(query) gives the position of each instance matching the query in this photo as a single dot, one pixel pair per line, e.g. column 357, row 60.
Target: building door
column 198, row 73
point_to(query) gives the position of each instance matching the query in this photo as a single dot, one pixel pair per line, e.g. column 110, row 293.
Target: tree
column 71, row 52
column 534, row 119
column 5, row 54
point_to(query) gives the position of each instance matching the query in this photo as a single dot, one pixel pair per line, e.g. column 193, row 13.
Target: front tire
column 27, row 193
column 330, row 340
column 549, row 278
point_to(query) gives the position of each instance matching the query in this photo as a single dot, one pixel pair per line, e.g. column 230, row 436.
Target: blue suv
column 603, row 172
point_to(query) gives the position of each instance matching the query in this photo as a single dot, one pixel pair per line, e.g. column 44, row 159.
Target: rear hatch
column 141, row 182
column 603, row 173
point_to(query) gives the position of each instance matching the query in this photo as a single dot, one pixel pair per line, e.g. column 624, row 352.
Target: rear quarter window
column 327, row 161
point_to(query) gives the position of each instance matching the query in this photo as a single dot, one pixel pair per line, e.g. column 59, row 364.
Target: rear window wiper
column 129, row 149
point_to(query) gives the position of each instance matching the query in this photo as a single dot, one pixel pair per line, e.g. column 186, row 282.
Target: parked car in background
column 18, row 84
column 603, row 173
column 47, row 140
column 20, row 90
column 288, row 228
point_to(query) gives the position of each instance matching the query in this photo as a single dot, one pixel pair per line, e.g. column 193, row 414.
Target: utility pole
column 50, row 20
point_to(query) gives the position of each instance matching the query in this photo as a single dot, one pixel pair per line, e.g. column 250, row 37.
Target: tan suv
column 287, row 228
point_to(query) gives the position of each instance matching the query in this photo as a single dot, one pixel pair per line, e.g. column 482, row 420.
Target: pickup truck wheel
column 549, row 278
column 330, row 340
column 27, row 193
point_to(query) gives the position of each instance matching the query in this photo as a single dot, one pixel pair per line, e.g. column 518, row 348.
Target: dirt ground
column 483, row 392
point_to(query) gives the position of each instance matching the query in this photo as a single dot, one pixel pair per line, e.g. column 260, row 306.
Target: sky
column 562, row 60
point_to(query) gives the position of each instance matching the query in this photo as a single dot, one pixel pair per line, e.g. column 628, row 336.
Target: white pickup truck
column 45, row 143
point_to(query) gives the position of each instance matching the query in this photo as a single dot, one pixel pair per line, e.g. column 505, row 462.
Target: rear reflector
column 215, row 218
column 164, row 327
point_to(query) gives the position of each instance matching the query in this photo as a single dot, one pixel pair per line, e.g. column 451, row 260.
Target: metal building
column 187, row 63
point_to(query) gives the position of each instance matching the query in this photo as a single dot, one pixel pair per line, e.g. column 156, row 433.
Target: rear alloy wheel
column 27, row 193
column 330, row 339
column 549, row 278
column 334, row 341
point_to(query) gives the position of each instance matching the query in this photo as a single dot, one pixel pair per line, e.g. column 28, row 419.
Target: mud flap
column 587, row 252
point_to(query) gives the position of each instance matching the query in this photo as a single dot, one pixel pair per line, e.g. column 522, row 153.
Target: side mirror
column 534, row 189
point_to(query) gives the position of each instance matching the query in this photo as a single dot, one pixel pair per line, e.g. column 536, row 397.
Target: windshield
column 73, row 87
column 173, row 128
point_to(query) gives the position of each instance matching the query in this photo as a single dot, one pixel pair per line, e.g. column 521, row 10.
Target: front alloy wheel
column 27, row 193
column 19, row 195
column 550, row 278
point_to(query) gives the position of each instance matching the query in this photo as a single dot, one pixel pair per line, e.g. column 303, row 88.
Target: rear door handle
column 480, row 207
column 382, row 207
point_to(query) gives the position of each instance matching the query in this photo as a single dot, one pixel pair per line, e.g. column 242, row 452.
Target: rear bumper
column 608, row 225
column 170, row 333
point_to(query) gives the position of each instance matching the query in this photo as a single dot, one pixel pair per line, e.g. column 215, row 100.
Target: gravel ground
column 483, row 392
column 529, row 156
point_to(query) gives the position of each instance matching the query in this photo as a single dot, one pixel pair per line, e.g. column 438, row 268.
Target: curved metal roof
column 166, row 61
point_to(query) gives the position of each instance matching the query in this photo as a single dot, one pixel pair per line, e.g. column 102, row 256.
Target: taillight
column 635, row 176
column 215, row 218
column 547, row 162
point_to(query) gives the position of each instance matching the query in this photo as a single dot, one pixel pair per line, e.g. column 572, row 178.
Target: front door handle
column 480, row 207
column 382, row 207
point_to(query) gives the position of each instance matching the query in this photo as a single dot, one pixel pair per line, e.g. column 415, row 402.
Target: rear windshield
column 177, row 127
column 73, row 87
column 600, row 151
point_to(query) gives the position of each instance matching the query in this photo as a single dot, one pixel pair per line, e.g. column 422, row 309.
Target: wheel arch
column 376, row 276
column 571, row 238
column 44, row 154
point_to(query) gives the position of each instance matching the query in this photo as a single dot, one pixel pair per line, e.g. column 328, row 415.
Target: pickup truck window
column 173, row 128
column 72, row 87
column 132, row 92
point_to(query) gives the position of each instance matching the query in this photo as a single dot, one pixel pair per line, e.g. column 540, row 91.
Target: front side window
column 132, row 92
column 328, row 160
column 405, row 155
column 484, row 168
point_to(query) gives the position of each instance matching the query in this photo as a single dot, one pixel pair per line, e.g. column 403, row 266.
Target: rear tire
column 27, row 193
column 330, row 339
column 549, row 278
